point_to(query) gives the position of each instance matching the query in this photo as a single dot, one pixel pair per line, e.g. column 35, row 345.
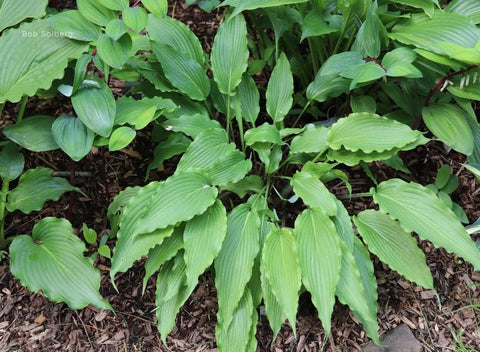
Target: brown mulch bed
column 29, row 322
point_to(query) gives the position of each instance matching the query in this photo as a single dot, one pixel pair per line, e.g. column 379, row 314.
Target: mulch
column 29, row 322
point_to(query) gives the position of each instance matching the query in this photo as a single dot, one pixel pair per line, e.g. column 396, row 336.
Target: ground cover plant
column 346, row 83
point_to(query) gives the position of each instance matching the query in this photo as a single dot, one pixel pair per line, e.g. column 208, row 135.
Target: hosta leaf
column 327, row 86
column 118, row 5
column 468, row 8
column 161, row 204
column 11, row 13
column 183, row 72
column 312, row 140
column 35, row 187
column 420, row 210
column 247, row 184
column 279, row 93
column 320, row 258
column 265, row 133
column 369, row 133
column 156, row 7
column 282, row 270
column 116, row 207
column 52, row 260
column 95, row 106
column 191, row 125
column 95, row 12
column 43, row 59
column 357, row 287
column 73, row 25
column 135, row 18
column 115, row 29
column 235, row 335
column 174, row 33
column 163, row 252
column 249, row 96
column 450, row 125
column 343, row 225
column 232, row 168
column 233, row 266
column 72, row 136
column 313, row 192
column 387, row 239
column 230, row 54
column 242, row 5
column 273, row 309
column 364, row 72
column 120, row 138
column 115, row 52
column 12, row 162
column 203, row 238
column 315, row 25
column 33, row 133
column 175, row 144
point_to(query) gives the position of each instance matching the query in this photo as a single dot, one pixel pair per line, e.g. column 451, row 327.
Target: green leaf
column 72, row 136
column 343, row 225
column 369, row 133
column 135, row 18
column 118, row 5
column 191, row 125
column 73, row 25
column 252, row 183
column 282, row 270
column 11, row 13
column 313, row 192
column 34, row 71
column 365, row 72
column 183, row 72
column 116, row 208
column 312, row 140
column 120, row 138
column 265, row 133
column 203, row 238
column 363, row 103
column 468, row 8
column 279, row 93
column 33, row 133
column 394, row 246
column 315, row 25
column 90, row 235
column 443, row 175
column 95, row 12
column 11, row 162
column 230, row 54
column 175, row 144
column 420, row 210
column 115, row 29
column 249, row 96
column 161, row 204
column 35, row 187
column 52, row 260
column 156, row 7
column 233, row 266
column 140, row 113
column 242, row 5
column 80, row 71
column 115, row 52
column 474, row 169
column 371, row 34
column 95, row 106
column 320, row 258
column 449, row 124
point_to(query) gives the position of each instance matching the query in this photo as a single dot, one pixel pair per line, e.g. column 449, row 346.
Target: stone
column 399, row 339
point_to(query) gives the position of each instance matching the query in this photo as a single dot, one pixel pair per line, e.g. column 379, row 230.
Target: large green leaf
column 156, row 7
column 72, row 136
column 320, row 257
column 95, row 12
column 312, row 140
column 282, row 270
column 203, row 238
column 233, row 266
column 52, row 260
column 242, row 5
column 95, row 106
column 73, row 25
column 313, row 192
column 43, row 59
column 33, row 133
column 135, row 18
column 175, row 144
column 115, row 52
column 279, row 93
column 118, row 5
column 11, row 13
column 369, row 133
column 449, row 124
column 140, row 113
column 468, row 8
column 12, row 162
column 161, row 204
column 247, row 92
column 172, row 32
column 420, row 210
column 387, row 239
column 314, row 25
column 230, row 54
column 191, row 125
column 35, row 187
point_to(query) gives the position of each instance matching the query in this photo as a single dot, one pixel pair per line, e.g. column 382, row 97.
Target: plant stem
column 21, row 110
column 240, row 131
column 3, row 202
column 315, row 56
column 301, row 114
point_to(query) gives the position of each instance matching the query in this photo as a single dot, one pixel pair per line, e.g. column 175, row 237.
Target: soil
column 29, row 322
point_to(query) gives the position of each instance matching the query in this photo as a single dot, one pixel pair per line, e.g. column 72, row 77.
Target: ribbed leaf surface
column 249, row 96
column 191, row 125
column 369, row 133
column 35, row 187
column 52, row 260
column 320, row 257
column 387, row 239
column 203, row 238
column 313, row 192
column 420, row 210
column 273, row 309
column 282, row 270
column 230, row 54
column 11, row 13
column 279, row 93
column 312, row 140
column 95, row 12
column 232, row 168
column 233, row 266
column 242, row 5
column 72, row 136
column 43, row 59
column 72, row 24
column 468, row 8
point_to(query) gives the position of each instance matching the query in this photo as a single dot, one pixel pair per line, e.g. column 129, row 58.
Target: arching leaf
column 279, row 93
column 11, row 13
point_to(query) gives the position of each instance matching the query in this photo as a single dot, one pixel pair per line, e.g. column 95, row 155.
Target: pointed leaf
column 312, row 140
column 33, row 133
column 279, row 93
column 252, row 183
column 313, row 192
column 249, row 96
column 315, row 25
column 156, row 7
column 115, row 52
column 73, row 25
column 12, row 162
column 273, row 309
column 52, row 260
column 320, row 258
column 191, row 125
column 242, row 5
column 420, row 210
column 120, row 138
column 72, row 136
column 135, row 18
column 230, row 54
column 35, row 187
column 95, row 12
